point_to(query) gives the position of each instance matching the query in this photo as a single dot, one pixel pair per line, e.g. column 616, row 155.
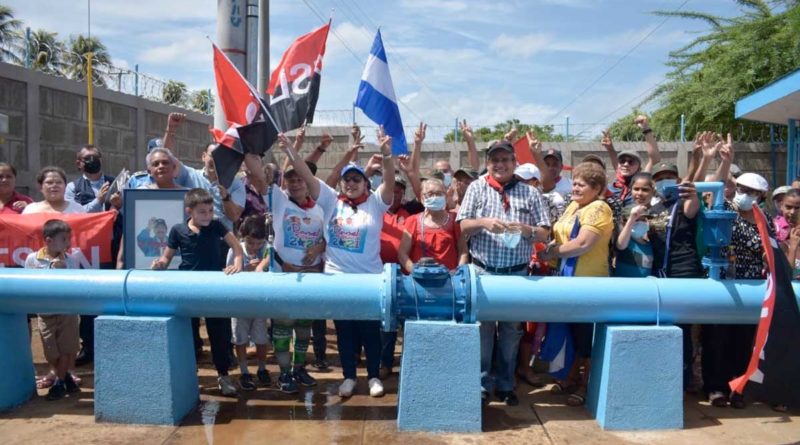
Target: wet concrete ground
column 318, row 416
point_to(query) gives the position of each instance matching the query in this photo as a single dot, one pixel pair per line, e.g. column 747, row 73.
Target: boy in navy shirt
column 199, row 241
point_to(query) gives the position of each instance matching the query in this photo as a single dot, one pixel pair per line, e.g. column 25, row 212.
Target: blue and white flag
column 376, row 96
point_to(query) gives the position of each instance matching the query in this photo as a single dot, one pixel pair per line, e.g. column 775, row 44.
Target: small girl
column 634, row 251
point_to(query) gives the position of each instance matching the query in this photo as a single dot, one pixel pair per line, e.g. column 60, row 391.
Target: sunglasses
column 355, row 178
column 629, row 161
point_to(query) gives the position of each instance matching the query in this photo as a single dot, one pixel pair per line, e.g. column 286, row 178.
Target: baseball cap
column 554, row 152
column 594, row 158
column 500, row 145
column 631, row 154
column 154, row 143
column 398, row 179
column 528, row 171
column 663, row 167
column 735, row 171
column 353, row 167
column 473, row 174
column 311, row 166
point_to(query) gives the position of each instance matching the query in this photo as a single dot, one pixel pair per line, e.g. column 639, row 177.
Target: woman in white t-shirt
column 354, row 219
column 53, row 183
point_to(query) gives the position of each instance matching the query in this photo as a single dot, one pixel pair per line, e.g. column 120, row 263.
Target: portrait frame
column 143, row 242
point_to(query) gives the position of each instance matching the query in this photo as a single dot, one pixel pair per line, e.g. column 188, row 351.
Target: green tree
column 9, row 35
column 43, row 52
column 545, row 132
column 202, row 102
column 734, row 58
column 174, row 92
column 77, row 59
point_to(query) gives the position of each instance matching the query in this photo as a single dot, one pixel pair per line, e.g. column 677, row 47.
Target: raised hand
column 533, row 141
column 726, row 149
column 638, row 211
column 641, row 122
column 606, row 142
column 385, row 142
column 284, row 142
column 419, row 134
column 709, row 141
column 404, row 163
column 355, row 133
column 174, row 120
column 466, row 131
column 511, row 135
column 299, row 138
column 326, row 141
column 380, row 132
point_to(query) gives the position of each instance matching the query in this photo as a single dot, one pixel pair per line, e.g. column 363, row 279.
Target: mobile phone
column 671, row 193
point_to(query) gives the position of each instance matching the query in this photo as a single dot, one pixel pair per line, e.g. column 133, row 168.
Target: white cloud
column 524, row 45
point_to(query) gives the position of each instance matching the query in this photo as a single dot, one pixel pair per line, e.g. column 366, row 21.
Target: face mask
column 434, row 203
column 92, row 165
column 448, row 179
column 663, row 184
column 375, row 181
column 639, row 230
column 511, row 239
column 744, row 201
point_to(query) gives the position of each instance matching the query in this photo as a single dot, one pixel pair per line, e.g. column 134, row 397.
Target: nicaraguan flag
column 376, row 96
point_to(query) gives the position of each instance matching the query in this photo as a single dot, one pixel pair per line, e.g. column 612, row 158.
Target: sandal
column 45, row 381
column 577, row 398
column 561, row 387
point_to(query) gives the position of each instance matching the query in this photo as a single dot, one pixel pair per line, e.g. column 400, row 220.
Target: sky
column 540, row 61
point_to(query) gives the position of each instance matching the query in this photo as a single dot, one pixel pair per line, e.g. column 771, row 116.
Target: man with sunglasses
column 629, row 163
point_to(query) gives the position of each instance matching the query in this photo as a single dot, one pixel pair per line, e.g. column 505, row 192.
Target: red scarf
column 501, row 189
column 622, row 184
column 309, row 203
column 354, row 203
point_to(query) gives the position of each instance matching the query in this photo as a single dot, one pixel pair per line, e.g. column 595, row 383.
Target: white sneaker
column 226, row 386
column 347, row 387
column 375, row 387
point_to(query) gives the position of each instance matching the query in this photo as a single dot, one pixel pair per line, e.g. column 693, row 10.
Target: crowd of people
column 502, row 217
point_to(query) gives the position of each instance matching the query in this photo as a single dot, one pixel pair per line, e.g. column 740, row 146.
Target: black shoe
column 57, row 391
column 302, row 377
column 263, row 377
column 246, row 382
column 84, row 357
column 70, row 385
column 321, row 364
column 508, row 397
column 286, row 383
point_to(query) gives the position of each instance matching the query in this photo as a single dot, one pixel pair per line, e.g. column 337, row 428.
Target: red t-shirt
column 439, row 244
column 8, row 209
column 391, row 234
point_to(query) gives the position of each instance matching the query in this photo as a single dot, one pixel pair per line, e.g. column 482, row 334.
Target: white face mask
column 448, row 179
column 434, row 203
column 375, row 181
column 639, row 230
column 744, row 201
column 511, row 239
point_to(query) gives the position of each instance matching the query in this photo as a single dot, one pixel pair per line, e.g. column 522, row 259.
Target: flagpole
column 250, row 87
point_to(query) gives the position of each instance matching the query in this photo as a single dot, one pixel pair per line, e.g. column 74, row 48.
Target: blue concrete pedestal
column 636, row 381
column 440, row 378
column 145, row 370
column 17, row 375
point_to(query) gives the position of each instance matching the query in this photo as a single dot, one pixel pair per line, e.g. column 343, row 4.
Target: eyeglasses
column 748, row 191
column 355, row 178
column 432, row 194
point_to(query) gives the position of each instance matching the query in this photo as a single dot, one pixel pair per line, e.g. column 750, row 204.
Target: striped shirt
column 482, row 201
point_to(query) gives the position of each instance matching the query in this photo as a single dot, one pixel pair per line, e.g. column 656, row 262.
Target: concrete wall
column 48, row 124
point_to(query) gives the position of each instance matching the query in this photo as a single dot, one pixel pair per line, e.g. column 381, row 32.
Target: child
column 59, row 333
column 634, row 251
column 198, row 241
column 253, row 233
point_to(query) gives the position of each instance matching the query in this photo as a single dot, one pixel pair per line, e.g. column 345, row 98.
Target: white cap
column 528, row 172
column 753, row 181
column 782, row 190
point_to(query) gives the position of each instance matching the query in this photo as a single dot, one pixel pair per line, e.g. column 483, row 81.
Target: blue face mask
column 448, row 179
column 511, row 239
column 434, row 203
column 639, row 230
column 375, row 181
column 662, row 185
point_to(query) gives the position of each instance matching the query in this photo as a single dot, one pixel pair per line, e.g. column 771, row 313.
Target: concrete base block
column 636, row 381
column 145, row 370
column 17, row 375
column 440, row 378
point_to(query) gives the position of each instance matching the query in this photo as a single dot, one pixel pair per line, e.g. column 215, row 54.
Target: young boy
column 59, row 333
column 198, row 241
column 253, row 233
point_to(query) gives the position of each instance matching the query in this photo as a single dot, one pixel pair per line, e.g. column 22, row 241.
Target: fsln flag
column 376, row 96
column 294, row 85
column 236, row 97
column 773, row 374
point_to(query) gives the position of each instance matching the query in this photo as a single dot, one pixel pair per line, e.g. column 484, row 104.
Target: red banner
column 91, row 236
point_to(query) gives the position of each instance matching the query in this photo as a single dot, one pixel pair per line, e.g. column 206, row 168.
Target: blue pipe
column 374, row 296
column 717, row 189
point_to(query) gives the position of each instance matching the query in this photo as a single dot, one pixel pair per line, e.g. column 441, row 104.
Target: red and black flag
column 227, row 155
column 294, row 85
column 773, row 374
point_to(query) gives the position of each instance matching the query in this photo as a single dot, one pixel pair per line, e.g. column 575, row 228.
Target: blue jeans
column 507, row 336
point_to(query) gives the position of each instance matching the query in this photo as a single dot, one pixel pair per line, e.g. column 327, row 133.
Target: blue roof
column 775, row 103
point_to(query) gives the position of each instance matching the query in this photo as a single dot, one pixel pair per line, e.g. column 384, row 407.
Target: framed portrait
column 148, row 217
